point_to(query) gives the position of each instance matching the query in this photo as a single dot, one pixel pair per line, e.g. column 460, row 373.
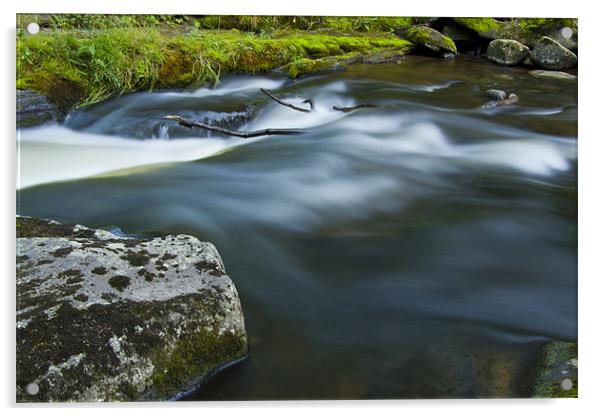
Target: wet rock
column 559, row 75
column 496, row 94
column 102, row 317
column 527, row 31
column 550, row 54
column 34, row 109
column 512, row 99
column 428, row 39
column 507, row 52
column 557, row 375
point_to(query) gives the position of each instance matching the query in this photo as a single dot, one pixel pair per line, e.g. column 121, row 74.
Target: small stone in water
column 496, row 94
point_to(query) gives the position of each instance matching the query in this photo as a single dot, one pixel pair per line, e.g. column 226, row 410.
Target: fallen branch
column 349, row 109
column 294, row 107
column 244, row 134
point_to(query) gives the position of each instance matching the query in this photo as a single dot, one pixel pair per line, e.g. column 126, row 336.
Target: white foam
column 233, row 85
column 55, row 153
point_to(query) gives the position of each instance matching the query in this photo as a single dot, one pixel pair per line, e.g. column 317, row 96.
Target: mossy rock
column 524, row 30
column 35, row 109
column 108, row 318
column 550, row 54
column 429, row 39
column 558, row 371
column 507, row 52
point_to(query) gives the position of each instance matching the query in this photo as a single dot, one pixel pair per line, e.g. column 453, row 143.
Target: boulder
column 512, row 99
column 428, row 39
column 34, row 109
column 524, row 30
column 507, row 52
column 496, row 94
column 559, row 75
column 106, row 317
column 557, row 373
column 550, row 54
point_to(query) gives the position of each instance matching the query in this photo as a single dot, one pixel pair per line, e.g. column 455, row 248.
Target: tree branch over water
column 309, row 101
column 244, row 134
column 355, row 107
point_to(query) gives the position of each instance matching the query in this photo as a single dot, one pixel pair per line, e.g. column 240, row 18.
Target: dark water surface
column 425, row 248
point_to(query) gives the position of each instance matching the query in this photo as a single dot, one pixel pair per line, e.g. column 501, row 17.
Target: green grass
column 257, row 24
column 80, row 67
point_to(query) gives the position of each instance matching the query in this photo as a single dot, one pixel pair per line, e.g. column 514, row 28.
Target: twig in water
column 244, row 134
column 309, row 101
column 355, row 107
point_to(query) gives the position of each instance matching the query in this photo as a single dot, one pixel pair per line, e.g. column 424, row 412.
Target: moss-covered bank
column 75, row 67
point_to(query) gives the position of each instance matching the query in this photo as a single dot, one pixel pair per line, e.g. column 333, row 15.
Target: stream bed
column 425, row 248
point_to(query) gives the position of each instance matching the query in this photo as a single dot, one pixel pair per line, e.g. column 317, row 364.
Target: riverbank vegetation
column 85, row 60
column 76, row 60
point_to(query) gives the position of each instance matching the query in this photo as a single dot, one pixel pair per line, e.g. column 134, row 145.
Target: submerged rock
column 557, row 375
column 507, row 52
column 540, row 73
column 102, row 317
column 429, row 39
column 512, row 99
column 550, row 54
column 496, row 94
column 34, row 109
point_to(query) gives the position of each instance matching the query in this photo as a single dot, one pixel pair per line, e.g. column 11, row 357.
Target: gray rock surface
column 507, row 52
column 512, row 99
column 496, row 94
column 108, row 318
column 550, row 54
column 34, row 109
column 559, row 75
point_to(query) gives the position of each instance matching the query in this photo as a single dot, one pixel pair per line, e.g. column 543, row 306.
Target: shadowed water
column 425, row 248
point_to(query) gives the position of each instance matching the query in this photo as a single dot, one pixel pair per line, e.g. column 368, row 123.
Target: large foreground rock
column 102, row 317
column 550, row 54
column 34, row 109
column 428, row 39
column 507, row 52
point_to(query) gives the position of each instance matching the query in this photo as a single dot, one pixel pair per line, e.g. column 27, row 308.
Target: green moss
column 136, row 258
column 194, row 355
column 430, row 38
column 34, row 227
column 524, row 30
column 119, row 282
column 62, row 252
column 73, row 67
column 99, row 270
column 481, row 25
column 554, row 369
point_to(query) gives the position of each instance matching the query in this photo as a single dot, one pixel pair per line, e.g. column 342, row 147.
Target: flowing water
column 424, row 248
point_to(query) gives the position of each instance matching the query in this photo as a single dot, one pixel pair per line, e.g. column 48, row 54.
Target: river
column 424, row 248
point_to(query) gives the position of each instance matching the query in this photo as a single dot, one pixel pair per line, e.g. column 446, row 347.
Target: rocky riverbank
column 58, row 70
column 102, row 317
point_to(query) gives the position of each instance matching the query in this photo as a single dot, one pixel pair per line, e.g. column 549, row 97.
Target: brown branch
column 349, row 109
column 244, row 134
column 294, row 107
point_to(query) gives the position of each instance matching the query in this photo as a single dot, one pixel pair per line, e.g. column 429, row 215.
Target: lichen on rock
column 507, row 52
column 92, row 327
column 549, row 54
